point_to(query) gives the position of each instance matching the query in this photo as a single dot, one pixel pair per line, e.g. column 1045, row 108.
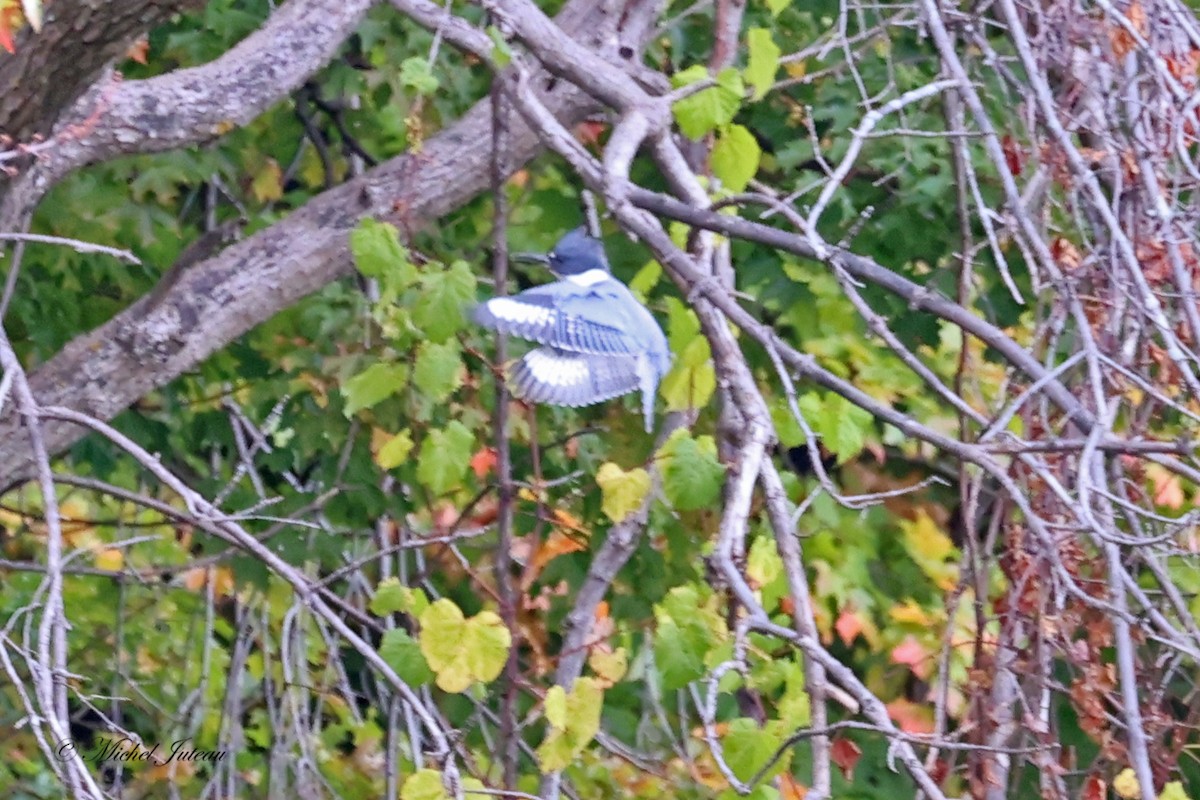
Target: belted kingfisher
column 598, row 341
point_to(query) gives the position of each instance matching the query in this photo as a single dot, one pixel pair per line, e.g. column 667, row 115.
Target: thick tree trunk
column 54, row 67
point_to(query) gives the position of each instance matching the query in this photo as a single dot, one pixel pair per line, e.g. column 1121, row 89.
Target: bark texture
column 103, row 372
column 52, row 68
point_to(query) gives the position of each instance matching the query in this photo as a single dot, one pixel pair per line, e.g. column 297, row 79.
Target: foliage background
column 353, row 435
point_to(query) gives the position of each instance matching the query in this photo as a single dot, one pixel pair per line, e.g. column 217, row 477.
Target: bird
column 597, row 341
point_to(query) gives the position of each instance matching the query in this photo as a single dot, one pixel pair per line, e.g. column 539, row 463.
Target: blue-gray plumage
column 598, row 341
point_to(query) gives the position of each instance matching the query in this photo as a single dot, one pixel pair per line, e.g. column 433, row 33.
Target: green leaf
column 444, row 297
column 682, row 325
column 424, row 784
column 417, row 73
column 692, row 475
column 463, row 651
column 623, row 492
column 395, row 451
column 438, row 371
column 374, row 384
column 392, row 596
column 786, row 427
column 710, row 108
column 444, row 457
column 379, row 254
column 388, row 599
column 501, row 52
column 776, row 7
column 842, row 426
column 645, row 279
column 748, row 747
column 574, row 720
column 763, row 565
column 763, row 62
column 403, row 654
column 735, row 157
column 692, row 379
column 678, row 662
column 689, row 633
column 690, row 385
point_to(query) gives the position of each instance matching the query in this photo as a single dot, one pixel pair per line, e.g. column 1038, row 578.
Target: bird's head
column 576, row 254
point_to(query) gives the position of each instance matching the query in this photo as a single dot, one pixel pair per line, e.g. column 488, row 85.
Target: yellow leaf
column 1126, row 785
column 556, row 707
column 609, row 667
column 267, row 185
column 911, row 613
column 395, row 451
column 574, row 719
column 933, row 551
column 623, row 491
column 110, row 559
column 1174, row 791
column 462, row 651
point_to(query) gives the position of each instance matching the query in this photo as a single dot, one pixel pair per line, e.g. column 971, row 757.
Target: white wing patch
column 589, row 278
column 556, row 370
column 509, row 310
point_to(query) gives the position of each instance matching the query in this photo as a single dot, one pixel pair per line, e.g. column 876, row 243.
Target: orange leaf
column 555, row 545
column 1168, row 492
column 567, row 520
column 790, row 788
column 10, row 20
column 138, row 50
column 845, row 754
column 197, row 579
column 484, row 461
column 911, row 717
column 849, row 625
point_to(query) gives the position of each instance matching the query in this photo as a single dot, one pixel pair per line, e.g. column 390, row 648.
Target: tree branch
column 104, row 371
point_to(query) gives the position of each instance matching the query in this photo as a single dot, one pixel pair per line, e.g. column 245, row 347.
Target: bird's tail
column 648, row 381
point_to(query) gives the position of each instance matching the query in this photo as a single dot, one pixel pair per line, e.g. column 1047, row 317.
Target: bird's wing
column 593, row 320
column 561, row 378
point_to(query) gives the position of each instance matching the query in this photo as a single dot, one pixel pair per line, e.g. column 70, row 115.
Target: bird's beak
column 532, row 258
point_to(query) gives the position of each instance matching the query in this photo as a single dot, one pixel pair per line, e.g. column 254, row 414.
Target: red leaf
column 913, row 654
column 1012, row 155
column 845, row 754
column 1094, row 788
column 589, row 131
